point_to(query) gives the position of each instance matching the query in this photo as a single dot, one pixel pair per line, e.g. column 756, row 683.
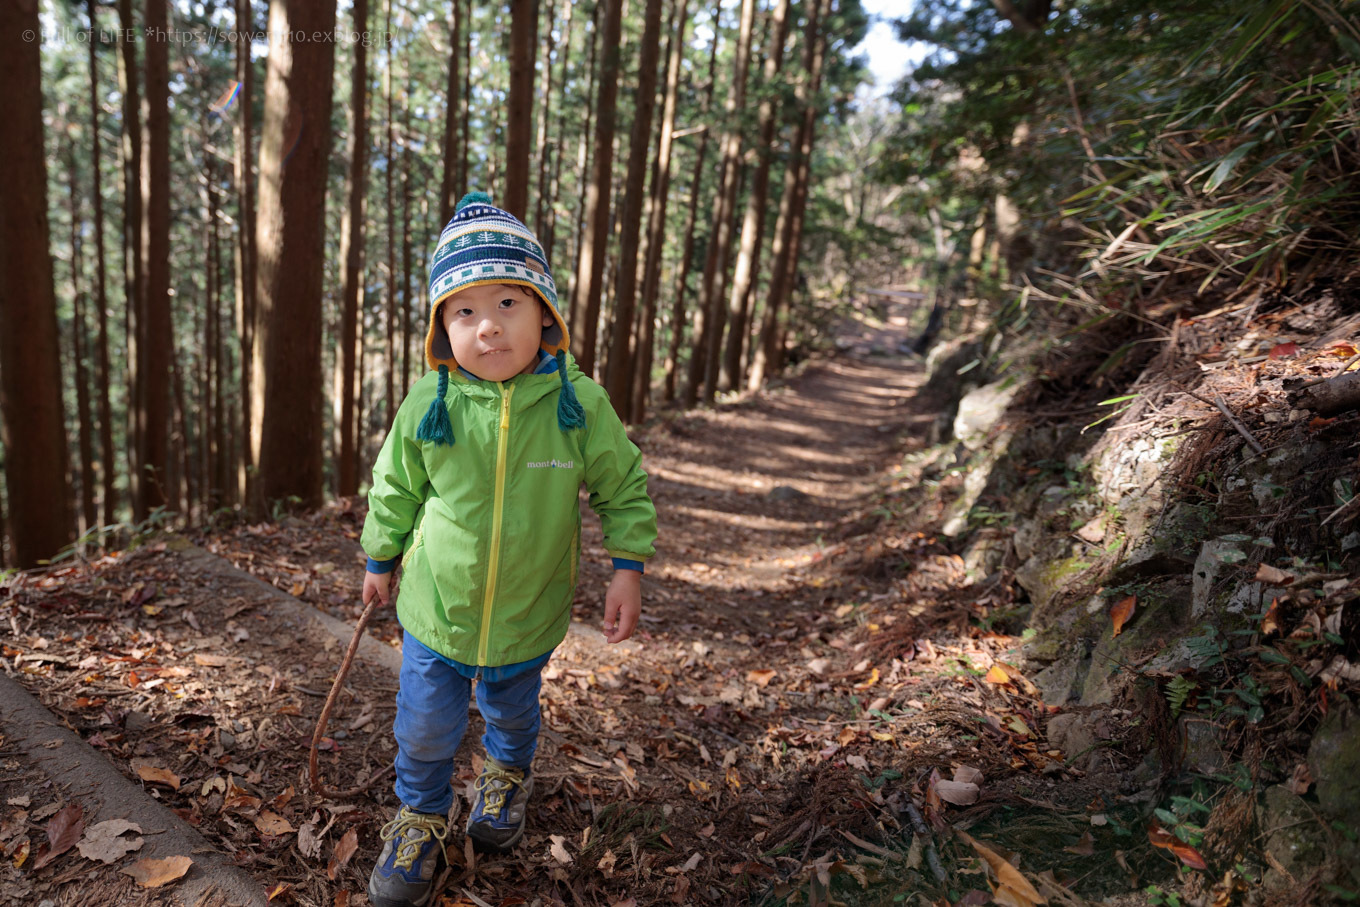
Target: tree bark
column 85, row 444
column 245, row 256
column 777, row 296
column 753, row 221
column 32, row 428
column 464, row 177
column 454, row 100
column 352, row 254
column 672, row 363
column 297, row 126
column 520, row 105
column 156, row 352
column 406, row 307
column 708, row 328
column 390, row 369
column 109, row 473
column 583, row 165
column 585, row 308
column 134, row 277
column 547, row 230
column 545, row 151
column 619, row 370
column 656, row 227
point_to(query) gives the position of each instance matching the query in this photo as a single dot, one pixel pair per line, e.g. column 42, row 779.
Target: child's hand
column 377, row 584
column 622, row 605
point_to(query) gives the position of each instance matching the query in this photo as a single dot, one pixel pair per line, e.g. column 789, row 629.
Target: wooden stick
column 319, row 787
column 1232, row 420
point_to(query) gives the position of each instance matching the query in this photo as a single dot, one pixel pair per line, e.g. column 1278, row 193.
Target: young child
column 475, row 491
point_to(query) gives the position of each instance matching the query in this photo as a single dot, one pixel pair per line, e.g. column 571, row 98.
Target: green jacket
column 490, row 527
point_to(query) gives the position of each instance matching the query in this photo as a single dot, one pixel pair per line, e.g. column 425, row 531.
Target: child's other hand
column 622, row 605
column 377, row 584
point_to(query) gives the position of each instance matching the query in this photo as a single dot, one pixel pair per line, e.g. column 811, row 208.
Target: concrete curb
column 77, row 766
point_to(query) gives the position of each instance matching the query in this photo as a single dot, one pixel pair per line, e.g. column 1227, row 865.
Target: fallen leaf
column 760, row 678
column 707, row 831
column 997, row 675
column 959, row 793
column 1342, row 351
column 238, row 798
column 308, row 841
column 271, row 823
column 21, row 853
column 151, row 873
column 1284, row 350
column 1121, row 612
column 152, row 774
column 344, row 849
column 63, row 831
column 1273, row 575
column 558, row 849
column 627, row 902
column 103, row 842
column 1160, row 837
column 280, row 889
column 606, row 864
column 1010, row 882
column 868, row 681
column 967, row 775
column 1271, row 622
column 1300, row 781
column 818, row 666
column 211, row 661
column 1083, row 848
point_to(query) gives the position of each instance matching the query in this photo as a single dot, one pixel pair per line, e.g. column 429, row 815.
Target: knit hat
column 483, row 244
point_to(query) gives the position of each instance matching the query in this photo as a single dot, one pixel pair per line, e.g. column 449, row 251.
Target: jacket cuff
column 623, row 563
column 382, row 566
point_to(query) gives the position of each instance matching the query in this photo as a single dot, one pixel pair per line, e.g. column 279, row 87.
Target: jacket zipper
column 494, row 557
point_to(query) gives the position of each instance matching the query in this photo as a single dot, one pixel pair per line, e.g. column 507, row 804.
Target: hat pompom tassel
column 570, row 413
column 435, row 426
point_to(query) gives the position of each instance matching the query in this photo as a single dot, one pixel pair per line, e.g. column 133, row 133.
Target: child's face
column 495, row 329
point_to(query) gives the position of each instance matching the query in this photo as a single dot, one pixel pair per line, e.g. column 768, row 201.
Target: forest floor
column 817, row 707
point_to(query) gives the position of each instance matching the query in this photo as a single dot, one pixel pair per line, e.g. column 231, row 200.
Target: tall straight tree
column 547, row 229
column 134, row 277
column 799, row 209
column 656, row 227
column 352, row 257
column 546, row 149
column 766, row 354
column 708, row 332
column 156, row 339
column 585, row 306
column 294, row 148
column 583, row 158
column 109, row 495
column 244, row 258
column 520, row 112
column 619, row 369
column 454, row 102
column 753, row 222
column 31, row 418
column 84, row 440
column 671, row 365
column 389, row 175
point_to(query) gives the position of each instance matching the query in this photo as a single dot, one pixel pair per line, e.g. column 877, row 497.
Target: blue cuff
column 622, row 563
column 382, row 566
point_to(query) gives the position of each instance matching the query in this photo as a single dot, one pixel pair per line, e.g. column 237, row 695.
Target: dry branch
column 1337, row 395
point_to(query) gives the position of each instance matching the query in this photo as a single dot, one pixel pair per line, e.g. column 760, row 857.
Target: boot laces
column 411, row 830
column 496, row 784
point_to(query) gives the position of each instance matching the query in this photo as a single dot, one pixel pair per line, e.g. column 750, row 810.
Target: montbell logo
column 552, row 464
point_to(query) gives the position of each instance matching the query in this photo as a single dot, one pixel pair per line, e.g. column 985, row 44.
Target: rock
column 1334, row 761
column 1062, row 681
column 786, row 493
column 1072, row 733
column 1294, row 838
column 956, row 523
column 1044, row 577
column 986, row 553
column 981, row 409
column 1203, row 751
column 1209, row 567
column 227, row 739
column 135, row 722
column 1028, row 535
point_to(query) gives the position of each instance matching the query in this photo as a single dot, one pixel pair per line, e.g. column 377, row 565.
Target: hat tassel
column 570, row 413
column 435, row 426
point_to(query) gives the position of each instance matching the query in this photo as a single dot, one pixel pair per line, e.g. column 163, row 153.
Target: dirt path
column 762, row 741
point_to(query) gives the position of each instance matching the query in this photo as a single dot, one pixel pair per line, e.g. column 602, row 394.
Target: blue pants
column 432, row 715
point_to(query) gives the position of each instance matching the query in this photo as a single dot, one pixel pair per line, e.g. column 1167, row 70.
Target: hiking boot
column 413, row 850
column 497, row 820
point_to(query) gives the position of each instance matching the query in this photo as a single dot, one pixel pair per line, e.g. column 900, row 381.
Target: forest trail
column 760, row 738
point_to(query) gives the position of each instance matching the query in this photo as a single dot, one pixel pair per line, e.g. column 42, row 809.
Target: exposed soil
column 811, row 663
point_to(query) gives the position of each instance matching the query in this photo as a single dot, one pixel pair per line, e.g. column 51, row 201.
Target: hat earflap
column 435, row 426
column 570, row 413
